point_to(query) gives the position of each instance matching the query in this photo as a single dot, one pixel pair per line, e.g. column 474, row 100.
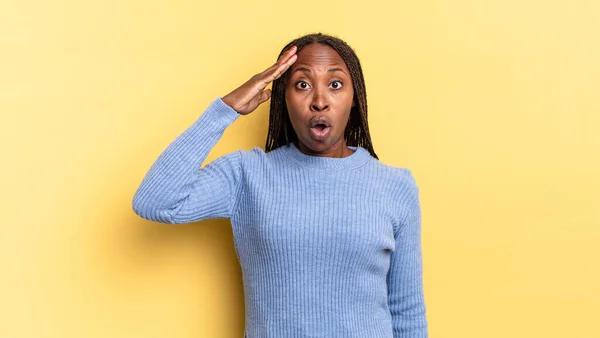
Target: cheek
column 293, row 109
column 290, row 100
column 294, row 105
column 349, row 98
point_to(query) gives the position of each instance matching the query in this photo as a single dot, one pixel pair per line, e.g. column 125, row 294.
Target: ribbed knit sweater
column 328, row 247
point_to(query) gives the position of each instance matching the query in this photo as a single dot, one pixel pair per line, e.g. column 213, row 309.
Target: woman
column 328, row 237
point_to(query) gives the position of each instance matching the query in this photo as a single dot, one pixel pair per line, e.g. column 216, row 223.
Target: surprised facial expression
column 319, row 96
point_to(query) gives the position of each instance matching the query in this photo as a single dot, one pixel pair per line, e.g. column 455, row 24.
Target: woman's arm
column 177, row 190
column 405, row 277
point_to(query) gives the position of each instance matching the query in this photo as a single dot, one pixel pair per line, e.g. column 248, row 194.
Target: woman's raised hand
column 251, row 94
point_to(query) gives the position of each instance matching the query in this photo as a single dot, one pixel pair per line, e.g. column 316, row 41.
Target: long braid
column 357, row 133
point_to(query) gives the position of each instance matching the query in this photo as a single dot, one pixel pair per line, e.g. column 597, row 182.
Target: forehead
column 318, row 55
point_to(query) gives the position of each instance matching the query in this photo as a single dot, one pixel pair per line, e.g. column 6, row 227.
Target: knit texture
column 328, row 247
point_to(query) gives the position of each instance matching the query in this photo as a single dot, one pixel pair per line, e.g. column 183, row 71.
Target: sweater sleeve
column 177, row 190
column 405, row 277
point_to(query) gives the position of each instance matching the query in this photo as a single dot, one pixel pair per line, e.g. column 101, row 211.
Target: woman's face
column 319, row 96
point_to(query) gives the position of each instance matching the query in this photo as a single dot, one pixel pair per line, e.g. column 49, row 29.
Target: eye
column 302, row 85
column 338, row 86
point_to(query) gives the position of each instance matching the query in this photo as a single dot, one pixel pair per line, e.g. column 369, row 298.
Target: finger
column 282, row 60
column 264, row 96
column 279, row 71
column 287, row 54
column 272, row 75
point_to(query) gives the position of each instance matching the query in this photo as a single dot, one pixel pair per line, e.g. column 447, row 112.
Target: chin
column 317, row 146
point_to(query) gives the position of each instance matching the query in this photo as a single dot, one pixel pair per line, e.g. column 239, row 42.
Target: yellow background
column 494, row 105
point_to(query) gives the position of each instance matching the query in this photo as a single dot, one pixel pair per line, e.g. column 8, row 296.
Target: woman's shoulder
column 397, row 173
column 257, row 156
column 401, row 182
column 254, row 153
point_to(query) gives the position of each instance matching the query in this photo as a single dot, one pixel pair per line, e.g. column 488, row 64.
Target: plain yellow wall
column 494, row 105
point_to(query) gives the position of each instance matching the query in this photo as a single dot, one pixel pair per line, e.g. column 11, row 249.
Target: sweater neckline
column 357, row 159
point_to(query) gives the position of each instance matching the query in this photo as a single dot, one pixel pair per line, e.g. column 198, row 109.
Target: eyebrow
column 308, row 70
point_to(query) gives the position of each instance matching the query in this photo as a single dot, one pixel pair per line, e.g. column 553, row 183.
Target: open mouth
column 320, row 131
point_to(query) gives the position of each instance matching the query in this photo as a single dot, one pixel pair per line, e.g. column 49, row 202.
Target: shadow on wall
column 207, row 247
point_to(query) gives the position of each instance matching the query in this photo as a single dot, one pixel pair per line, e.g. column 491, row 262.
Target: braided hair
column 356, row 134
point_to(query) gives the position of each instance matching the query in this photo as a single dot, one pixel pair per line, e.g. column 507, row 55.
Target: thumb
column 264, row 96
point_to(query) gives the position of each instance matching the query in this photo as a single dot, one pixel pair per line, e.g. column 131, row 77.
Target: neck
column 338, row 150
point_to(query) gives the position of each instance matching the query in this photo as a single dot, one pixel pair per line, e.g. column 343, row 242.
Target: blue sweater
column 328, row 247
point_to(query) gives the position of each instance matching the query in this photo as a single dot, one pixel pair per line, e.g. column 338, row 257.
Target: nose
column 319, row 103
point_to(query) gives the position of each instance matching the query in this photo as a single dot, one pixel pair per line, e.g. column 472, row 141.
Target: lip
column 320, row 120
column 318, row 134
